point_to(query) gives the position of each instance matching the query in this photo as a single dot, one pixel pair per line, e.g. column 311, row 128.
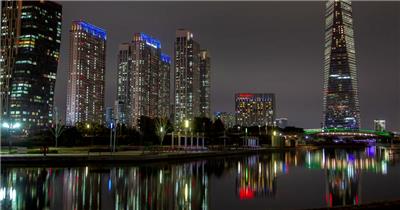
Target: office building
column 205, row 83
column 340, row 101
column 30, row 51
column 85, row 94
column 255, row 109
column 109, row 116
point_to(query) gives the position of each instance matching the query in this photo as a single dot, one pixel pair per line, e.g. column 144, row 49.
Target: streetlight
column 9, row 127
column 245, row 139
column 186, row 128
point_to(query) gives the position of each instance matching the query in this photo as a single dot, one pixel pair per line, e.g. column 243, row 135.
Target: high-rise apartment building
column 85, row 96
column 255, row 109
column 205, row 84
column 341, row 105
column 187, row 77
column 143, row 80
column 164, row 87
column 30, row 45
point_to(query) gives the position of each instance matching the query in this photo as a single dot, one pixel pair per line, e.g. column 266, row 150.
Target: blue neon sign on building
column 94, row 30
column 165, row 58
column 150, row 41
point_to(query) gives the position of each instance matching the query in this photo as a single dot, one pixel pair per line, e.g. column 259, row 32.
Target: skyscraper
column 187, row 77
column 205, row 84
column 30, row 45
column 164, row 87
column 255, row 109
column 341, row 105
column 85, row 96
column 143, row 80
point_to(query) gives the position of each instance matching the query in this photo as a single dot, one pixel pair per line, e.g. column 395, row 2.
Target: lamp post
column 245, row 139
column 186, row 129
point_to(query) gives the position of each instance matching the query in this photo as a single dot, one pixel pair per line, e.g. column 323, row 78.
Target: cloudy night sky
column 265, row 47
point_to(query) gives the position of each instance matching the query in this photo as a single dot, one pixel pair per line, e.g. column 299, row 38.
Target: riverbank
column 81, row 156
column 127, row 157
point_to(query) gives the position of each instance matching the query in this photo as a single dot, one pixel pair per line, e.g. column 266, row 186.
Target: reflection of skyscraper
column 85, row 96
column 257, row 176
column 30, row 45
column 341, row 106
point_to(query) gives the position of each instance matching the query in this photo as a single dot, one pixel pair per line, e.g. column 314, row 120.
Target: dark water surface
column 287, row 180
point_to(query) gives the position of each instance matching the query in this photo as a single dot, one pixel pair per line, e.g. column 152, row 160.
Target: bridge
column 336, row 132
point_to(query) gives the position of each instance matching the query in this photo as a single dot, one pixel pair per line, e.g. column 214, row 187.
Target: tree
column 57, row 128
column 161, row 126
column 147, row 128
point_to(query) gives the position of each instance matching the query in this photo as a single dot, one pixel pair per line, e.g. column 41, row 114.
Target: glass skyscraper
column 205, row 84
column 30, row 45
column 341, row 105
column 85, row 96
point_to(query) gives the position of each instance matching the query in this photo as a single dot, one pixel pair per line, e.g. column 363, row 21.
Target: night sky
column 266, row 47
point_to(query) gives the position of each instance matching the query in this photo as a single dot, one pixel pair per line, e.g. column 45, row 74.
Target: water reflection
column 186, row 185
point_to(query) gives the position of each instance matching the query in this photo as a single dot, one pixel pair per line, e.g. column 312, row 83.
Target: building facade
column 340, row 99
column 227, row 118
column 30, row 50
column 85, row 94
column 281, row 122
column 205, row 84
column 187, row 78
column 164, row 87
column 255, row 109
column 380, row 125
column 143, row 80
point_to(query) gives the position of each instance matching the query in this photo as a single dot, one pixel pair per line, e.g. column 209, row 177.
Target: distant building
column 164, row 90
column 109, row 116
column 227, row 118
column 380, row 125
column 205, row 84
column 118, row 115
column 85, row 94
column 187, row 77
column 143, row 80
column 281, row 122
column 30, row 51
column 254, row 109
column 340, row 100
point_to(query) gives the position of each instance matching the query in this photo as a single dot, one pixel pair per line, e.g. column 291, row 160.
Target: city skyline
column 274, row 78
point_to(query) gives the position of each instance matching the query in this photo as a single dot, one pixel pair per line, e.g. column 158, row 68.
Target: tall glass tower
column 29, row 54
column 341, row 105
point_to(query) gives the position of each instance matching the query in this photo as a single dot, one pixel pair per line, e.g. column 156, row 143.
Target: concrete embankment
column 106, row 158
